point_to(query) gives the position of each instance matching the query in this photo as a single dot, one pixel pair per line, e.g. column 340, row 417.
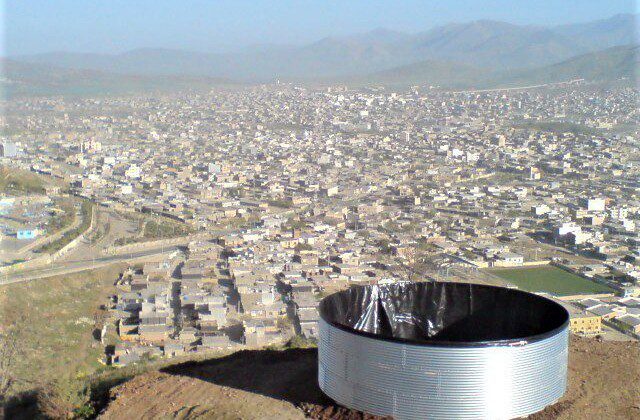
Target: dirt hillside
column 604, row 382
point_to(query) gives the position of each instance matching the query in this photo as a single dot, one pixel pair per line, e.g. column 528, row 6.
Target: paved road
column 83, row 265
column 81, row 261
column 89, row 255
column 506, row 89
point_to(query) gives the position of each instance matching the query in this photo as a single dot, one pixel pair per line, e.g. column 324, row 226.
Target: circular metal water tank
column 442, row 350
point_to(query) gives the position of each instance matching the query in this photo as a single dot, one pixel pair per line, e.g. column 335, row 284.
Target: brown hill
column 604, row 382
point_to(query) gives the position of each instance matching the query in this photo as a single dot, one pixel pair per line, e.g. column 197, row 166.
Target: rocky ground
column 604, row 382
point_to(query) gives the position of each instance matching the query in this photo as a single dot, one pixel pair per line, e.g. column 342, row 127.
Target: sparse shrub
column 300, row 342
column 85, row 411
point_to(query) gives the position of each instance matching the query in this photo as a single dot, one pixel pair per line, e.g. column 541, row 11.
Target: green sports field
column 550, row 279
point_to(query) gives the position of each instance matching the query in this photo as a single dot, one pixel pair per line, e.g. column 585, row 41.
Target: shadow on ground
column 289, row 375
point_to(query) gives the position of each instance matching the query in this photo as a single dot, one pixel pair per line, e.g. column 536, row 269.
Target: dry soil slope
column 604, row 382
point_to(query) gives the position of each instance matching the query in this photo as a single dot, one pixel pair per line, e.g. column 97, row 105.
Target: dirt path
column 604, row 382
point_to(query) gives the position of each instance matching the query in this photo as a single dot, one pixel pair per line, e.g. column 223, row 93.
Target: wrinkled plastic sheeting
column 392, row 311
column 436, row 311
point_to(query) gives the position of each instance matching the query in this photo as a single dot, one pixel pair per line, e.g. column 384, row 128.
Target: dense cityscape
column 319, row 210
column 271, row 197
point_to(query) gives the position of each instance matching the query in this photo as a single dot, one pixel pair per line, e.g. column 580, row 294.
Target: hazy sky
column 111, row 26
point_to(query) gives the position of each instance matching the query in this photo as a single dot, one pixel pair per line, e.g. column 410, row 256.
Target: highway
column 69, row 267
column 507, row 89
column 80, row 259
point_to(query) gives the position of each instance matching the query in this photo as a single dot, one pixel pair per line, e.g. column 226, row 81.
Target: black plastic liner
column 438, row 313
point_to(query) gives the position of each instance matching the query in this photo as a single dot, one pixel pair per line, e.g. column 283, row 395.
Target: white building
column 595, row 204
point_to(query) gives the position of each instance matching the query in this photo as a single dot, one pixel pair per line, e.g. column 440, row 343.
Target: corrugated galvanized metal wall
column 409, row 381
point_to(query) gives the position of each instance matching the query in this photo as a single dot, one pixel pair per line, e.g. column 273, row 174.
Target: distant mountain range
column 461, row 54
column 606, row 65
column 28, row 79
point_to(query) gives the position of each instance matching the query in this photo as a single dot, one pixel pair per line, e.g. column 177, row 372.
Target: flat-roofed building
column 630, row 323
column 583, row 322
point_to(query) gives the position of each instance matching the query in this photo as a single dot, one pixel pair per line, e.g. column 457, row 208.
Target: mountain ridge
column 482, row 43
column 28, row 79
column 600, row 66
column 472, row 55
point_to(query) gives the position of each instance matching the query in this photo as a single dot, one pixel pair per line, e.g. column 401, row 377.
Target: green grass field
column 550, row 279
